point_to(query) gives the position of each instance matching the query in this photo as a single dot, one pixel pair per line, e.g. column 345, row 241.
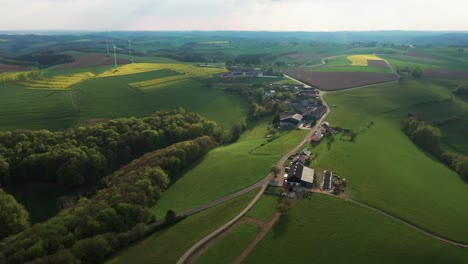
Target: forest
column 115, row 211
column 428, row 137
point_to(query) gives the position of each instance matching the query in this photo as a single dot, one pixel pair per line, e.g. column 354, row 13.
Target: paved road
column 224, row 199
column 263, row 184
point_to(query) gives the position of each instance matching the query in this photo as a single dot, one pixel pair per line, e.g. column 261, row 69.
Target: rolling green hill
column 384, row 167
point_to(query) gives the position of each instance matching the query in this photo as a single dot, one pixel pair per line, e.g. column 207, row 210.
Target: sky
column 268, row 15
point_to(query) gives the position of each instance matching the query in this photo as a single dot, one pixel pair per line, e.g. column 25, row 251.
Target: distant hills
column 436, row 38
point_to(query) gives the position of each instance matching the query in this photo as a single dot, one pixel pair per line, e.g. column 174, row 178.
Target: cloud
column 291, row 15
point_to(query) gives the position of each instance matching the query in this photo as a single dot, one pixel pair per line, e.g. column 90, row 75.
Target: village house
column 299, row 174
column 291, row 120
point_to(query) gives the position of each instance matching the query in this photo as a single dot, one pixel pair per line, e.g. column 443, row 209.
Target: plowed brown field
column 446, row 73
column 330, row 81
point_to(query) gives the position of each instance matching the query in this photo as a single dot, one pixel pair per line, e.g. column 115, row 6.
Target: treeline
column 117, row 215
column 249, row 59
column 260, row 104
column 461, row 90
column 82, row 156
column 45, row 58
column 429, row 137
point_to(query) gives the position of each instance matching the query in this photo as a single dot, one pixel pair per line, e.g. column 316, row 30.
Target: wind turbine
column 130, row 50
column 107, row 42
column 115, row 56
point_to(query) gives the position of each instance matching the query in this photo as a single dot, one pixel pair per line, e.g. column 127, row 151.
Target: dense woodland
column 118, row 211
column 82, row 156
column 429, row 137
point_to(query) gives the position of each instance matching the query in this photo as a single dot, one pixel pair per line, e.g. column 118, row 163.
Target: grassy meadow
column 230, row 247
column 265, row 208
column 111, row 97
column 168, row 245
column 328, row 230
column 384, row 168
column 228, row 169
column 352, row 63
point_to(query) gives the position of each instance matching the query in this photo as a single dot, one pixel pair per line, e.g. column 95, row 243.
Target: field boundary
column 400, row 220
column 264, row 184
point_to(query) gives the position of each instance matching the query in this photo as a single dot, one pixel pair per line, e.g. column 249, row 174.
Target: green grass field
column 265, row 208
column 344, row 64
column 168, row 245
column 349, row 69
column 228, row 169
column 229, row 248
column 111, row 97
column 34, row 109
column 338, row 61
column 384, row 167
column 328, row 230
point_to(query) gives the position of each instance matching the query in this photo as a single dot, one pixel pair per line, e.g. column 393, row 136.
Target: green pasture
column 229, row 248
column 168, row 245
column 337, row 61
column 34, row 109
column 384, row 168
column 265, row 208
column 350, row 69
column 112, row 97
column 328, row 230
column 228, row 169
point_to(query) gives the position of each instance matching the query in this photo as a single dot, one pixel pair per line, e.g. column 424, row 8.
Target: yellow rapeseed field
column 36, row 80
column 361, row 60
column 146, row 67
column 160, row 82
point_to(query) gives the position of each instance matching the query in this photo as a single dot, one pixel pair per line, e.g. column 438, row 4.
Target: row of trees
column 116, row 215
column 260, row 105
column 461, row 90
column 429, row 137
column 83, row 155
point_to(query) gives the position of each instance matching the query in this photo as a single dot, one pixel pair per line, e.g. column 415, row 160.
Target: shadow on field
column 281, row 227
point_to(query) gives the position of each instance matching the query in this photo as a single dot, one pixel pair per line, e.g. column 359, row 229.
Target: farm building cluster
column 299, row 175
column 247, row 72
column 311, row 115
column 297, row 172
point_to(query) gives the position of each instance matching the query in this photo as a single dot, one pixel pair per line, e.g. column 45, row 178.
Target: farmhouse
column 309, row 92
column 317, row 136
column 292, row 120
column 299, row 175
column 319, row 111
column 314, row 114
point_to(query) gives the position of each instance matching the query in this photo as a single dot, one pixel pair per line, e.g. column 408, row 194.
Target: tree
column 461, row 167
column 92, row 250
column 13, row 217
column 275, row 169
column 171, row 216
column 417, row 73
column 259, row 93
column 284, row 206
column 276, row 119
column 4, row 171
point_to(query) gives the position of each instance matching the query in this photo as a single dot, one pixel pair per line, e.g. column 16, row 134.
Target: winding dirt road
column 264, row 183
